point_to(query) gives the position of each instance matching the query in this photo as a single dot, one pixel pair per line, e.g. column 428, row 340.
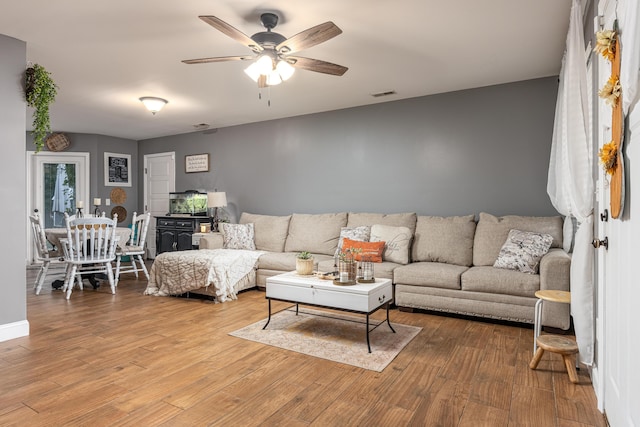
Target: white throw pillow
column 523, row 251
column 398, row 242
column 238, row 236
column 360, row 234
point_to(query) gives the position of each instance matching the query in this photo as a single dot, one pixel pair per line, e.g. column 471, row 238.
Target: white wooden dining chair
column 135, row 248
column 42, row 254
column 89, row 249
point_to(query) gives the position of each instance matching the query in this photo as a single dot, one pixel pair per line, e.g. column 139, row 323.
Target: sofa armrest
column 555, row 270
column 211, row 241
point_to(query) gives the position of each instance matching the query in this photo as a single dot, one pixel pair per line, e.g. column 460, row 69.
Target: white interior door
column 56, row 182
column 159, row 181
column 616, row 378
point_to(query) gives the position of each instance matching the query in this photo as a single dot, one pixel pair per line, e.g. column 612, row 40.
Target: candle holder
column 347, row 269
column 96, row 212
column 79, row 213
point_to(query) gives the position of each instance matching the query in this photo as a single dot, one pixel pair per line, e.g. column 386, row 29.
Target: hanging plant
column 40, row 91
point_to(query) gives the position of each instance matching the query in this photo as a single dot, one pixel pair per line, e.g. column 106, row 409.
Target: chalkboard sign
column 117, row 170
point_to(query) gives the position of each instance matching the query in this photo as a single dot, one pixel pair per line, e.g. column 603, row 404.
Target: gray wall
column 96, row 145
column 13, row 304
column 484, row 149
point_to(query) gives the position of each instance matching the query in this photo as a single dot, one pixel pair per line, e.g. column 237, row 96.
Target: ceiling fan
column 273, row 62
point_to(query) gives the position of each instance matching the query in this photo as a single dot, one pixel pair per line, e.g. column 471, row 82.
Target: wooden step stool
column 557, row 344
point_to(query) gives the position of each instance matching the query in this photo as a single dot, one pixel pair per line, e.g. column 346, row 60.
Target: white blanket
column 174, row 273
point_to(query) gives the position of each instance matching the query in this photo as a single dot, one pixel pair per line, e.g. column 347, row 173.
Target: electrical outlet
column 107, row 202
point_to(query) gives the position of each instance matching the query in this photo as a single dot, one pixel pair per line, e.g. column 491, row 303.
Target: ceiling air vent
column 201, row 126
column 387, row 93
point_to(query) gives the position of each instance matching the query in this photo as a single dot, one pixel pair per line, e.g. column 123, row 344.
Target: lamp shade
column 217, row 199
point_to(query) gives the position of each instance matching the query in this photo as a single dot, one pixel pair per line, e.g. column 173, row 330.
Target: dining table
column 54, row 235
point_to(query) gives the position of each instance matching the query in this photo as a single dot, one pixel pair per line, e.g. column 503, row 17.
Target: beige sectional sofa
column 436, row 263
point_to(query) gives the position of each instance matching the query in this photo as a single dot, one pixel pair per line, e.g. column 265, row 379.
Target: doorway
column 56, row 183
column 159, row 181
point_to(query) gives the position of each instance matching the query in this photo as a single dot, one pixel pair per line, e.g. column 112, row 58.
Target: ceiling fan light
column 153, row 104
column 253, row 71
column 265, row 64
column 285, row 70
column 273, row 78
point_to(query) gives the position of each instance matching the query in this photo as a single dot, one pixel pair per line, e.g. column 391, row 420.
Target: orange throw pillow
column 368, row 251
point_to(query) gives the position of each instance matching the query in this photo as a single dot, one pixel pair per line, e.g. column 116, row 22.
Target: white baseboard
column 13, row 330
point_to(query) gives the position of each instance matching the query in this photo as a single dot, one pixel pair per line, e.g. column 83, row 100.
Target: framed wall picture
column 117, row 170
column 196, row 163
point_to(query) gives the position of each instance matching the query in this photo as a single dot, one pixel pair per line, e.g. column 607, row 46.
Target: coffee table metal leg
column 297, row 309
column 389, row 323
column 269, row 318
column 368, row 344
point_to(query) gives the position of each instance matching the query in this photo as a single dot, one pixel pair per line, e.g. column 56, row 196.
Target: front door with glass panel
column 58, row 182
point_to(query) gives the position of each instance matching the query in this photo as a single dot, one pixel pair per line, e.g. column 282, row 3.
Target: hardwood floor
column 129, row 359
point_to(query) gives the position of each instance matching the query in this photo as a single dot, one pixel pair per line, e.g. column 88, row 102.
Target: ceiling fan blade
column 310, row 37
column 217, row 59
column 232, row 32
column 316, row 65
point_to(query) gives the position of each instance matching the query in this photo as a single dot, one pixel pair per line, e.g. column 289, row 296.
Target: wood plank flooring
column 134, row 360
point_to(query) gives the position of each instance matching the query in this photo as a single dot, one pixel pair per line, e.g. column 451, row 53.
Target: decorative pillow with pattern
column 238, row 236
column 398, row 242
column 364, row 251
column 523, row 251
column 354, row 233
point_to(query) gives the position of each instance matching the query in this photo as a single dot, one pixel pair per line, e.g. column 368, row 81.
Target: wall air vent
column 386, row 93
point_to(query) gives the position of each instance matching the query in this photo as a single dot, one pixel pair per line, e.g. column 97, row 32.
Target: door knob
column 598, row 243
column 604, row 216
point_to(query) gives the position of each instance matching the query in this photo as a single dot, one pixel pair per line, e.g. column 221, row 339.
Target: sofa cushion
column 398, row 241
column 367, row 251
column 444, row 239
column 431, row 274
column 237, row 236
column 361, row 233
column 523, row 251
column 316, row 233
column 396, row 220
column 270, row 232
column 492, row 232
column 500, row 281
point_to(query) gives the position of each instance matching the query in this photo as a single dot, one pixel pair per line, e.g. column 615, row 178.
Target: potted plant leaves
column 40, row 91
column 304, row 263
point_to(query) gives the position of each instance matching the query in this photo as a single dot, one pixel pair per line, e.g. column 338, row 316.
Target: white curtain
column 629, row 11
column 570, row 183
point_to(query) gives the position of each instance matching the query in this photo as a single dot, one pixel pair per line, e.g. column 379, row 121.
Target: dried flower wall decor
column 611, row 91
column 608, row 155
column 611, row 158
column 606, row 44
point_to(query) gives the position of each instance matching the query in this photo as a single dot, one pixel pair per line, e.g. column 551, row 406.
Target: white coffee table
column 363, row 298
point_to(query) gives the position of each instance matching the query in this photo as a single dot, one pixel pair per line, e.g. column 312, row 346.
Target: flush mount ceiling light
column 153, row 104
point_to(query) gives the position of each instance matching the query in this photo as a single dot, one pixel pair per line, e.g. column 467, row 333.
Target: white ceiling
column 104, row 55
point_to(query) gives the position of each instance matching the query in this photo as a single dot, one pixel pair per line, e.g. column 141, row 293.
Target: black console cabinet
column 174, row 233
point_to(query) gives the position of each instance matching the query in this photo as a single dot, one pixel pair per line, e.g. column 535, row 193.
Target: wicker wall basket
column 57, row 142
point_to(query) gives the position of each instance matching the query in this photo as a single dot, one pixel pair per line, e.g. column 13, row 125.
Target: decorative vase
column 304, row 267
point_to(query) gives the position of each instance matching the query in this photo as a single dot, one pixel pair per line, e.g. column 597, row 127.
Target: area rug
column 333, row 336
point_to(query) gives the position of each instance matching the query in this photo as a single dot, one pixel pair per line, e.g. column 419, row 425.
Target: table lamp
column 215, row 200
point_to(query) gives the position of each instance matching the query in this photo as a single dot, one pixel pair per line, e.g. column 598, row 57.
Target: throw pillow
column 398, row 241
column 238, row 236
column 367, row 251
column 523, row 251
column 354, row 233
